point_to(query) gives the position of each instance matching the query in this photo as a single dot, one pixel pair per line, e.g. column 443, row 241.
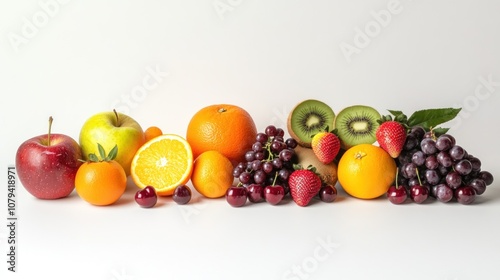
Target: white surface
column 265, row 57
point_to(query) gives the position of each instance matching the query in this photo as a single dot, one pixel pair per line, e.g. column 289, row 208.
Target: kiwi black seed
column 308, row 118
column 357, row 125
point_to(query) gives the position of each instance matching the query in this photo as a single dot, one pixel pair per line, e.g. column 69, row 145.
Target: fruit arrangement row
column 366, row 153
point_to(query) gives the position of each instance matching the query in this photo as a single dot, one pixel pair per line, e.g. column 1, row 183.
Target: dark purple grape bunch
column 438, row 167
column 268, row 163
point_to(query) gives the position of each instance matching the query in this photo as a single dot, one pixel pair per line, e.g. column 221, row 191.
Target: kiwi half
column 308, row 118
column 357, row 125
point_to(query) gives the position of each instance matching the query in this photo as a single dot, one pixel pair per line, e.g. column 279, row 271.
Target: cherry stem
column 50, row 128
column 418, row 176
column 397, row 173
column 275, row 177
column 117, row 119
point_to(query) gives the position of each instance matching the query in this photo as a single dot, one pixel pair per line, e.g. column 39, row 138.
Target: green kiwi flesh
column 308, row 118
column 357, row 125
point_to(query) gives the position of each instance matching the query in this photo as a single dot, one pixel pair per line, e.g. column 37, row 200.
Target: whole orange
column 100, row 183
column 212, row 174
column 225, row 128
column 366, row 171
column 151, row 132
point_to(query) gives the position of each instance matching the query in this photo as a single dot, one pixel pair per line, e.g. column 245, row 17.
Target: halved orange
column 164, row 163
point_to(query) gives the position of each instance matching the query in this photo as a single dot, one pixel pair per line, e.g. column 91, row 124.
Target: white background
column 83, row 57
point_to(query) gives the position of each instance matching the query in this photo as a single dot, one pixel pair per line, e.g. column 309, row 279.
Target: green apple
column 110, row 129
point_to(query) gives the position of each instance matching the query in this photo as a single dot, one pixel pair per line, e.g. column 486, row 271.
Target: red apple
column 47, row 164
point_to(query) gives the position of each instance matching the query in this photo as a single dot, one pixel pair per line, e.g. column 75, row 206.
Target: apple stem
column 50, row 128
column 117, row 119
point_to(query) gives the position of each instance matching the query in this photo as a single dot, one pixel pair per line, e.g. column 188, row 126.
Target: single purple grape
column 286, row 154
column 432, row 177
column 431, row 162
column 245, row 177
column 413, row 181
column 237, row 171
column 277, row 163
column 476, row 163
column 418, row 158
column 262, row 138
column 284, row 174
column 453, row 180
column 259, row 177
column 291, row 143
column 463, row 167
column 457, row 152
column 409, row 170
column 428, row 146
column 444, row 142
column 267, row 166
column 443, row 193
column 418, row 131
column 271, row 130
column 280, row 132
column 259, row 155
column 486, row 176
column 256, row 165
column 411, row 142
column 478, row 185
column 444, row 159
column 257, row 147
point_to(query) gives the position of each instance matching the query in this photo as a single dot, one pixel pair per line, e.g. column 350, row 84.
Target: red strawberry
column 391, row 136
column 326, row 146
column 304, row 185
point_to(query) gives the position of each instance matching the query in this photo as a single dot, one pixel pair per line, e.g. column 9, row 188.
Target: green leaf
column 93, row 158
column 396, row 112
column 440, row 131
column 401, row 118
column 102, row 153
column 297, row 167
column 432, row 117
column 113, row 153
column 384, row 118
